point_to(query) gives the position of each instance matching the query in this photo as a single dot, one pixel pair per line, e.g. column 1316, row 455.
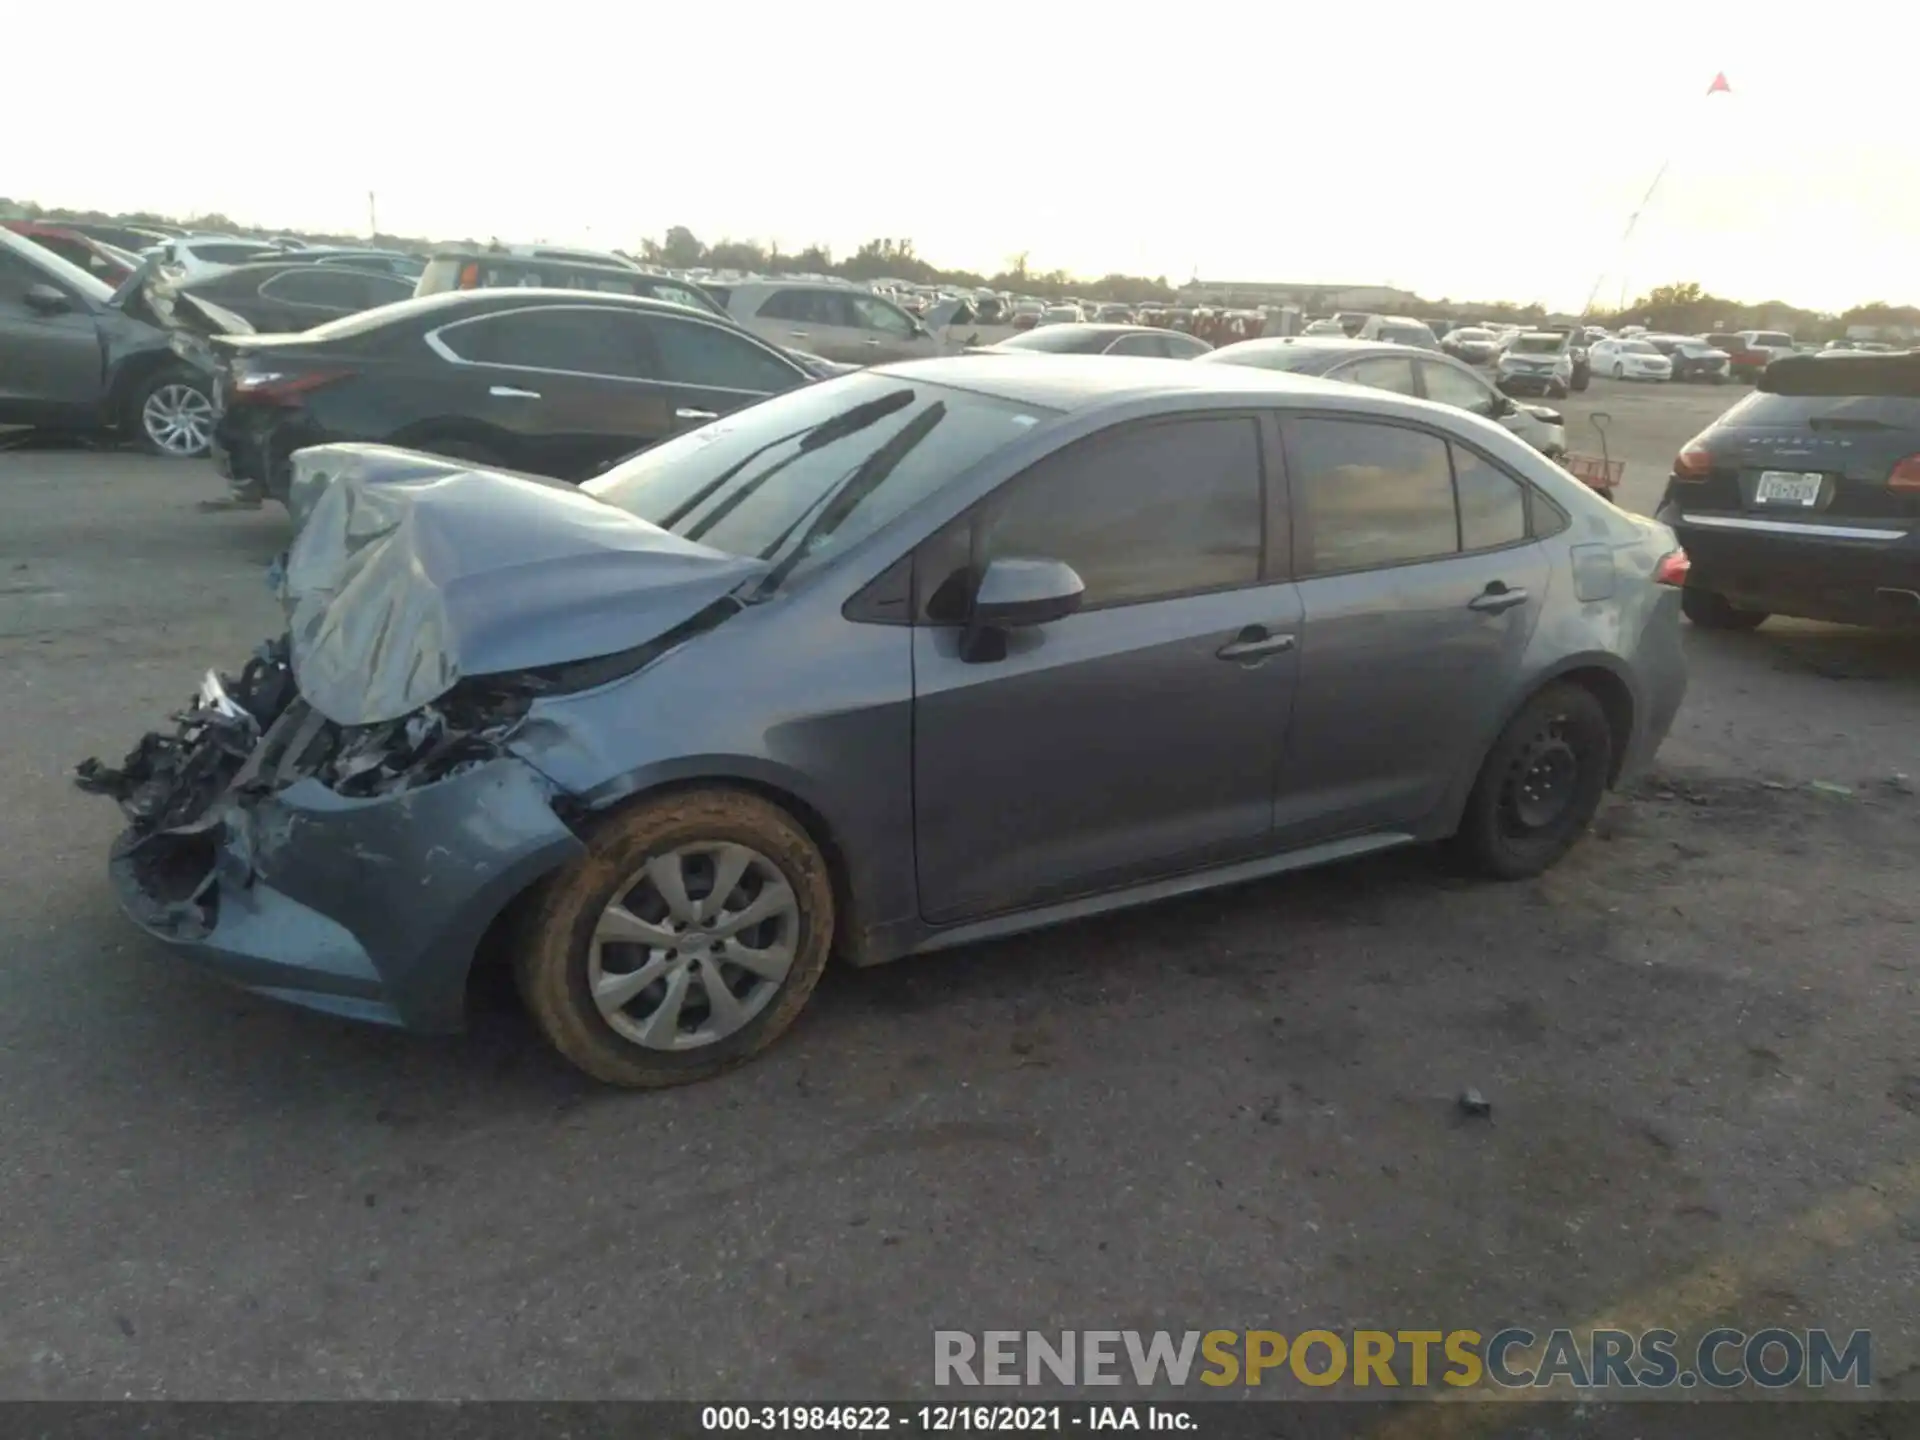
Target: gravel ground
column 1236, row 1110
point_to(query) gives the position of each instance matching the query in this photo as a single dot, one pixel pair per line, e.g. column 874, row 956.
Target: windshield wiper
column 825, row 432
column 841, row 501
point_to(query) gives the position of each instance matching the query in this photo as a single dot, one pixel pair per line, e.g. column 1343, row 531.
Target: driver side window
column 1448, row 386
column 876, row 314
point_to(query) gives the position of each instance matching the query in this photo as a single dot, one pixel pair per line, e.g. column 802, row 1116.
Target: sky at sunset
column 1467, row 152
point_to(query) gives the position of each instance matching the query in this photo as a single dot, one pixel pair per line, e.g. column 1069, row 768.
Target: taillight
column 1672, row 569
column 279, row 387
column 469, row 277
column 1906, row 475
column 1693, row 463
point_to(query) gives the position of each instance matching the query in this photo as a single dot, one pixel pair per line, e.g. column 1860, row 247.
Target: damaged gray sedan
column 926, row 654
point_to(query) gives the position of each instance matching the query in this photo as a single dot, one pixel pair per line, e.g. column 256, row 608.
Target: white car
column 1061, row 315
column 835, row 320
column 1536, row 362
column 192, row 257
column 1629, row 359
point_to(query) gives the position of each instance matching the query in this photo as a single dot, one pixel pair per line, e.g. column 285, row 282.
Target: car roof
column 1332, row 346
column 1104, row 328
column 1079, row 382
column 514, row 297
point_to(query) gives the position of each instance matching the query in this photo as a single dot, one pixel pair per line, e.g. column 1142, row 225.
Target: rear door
column 1139, row 736
column 710, row 368
column 565, row 388
column 1420, row 586
column 50, row 364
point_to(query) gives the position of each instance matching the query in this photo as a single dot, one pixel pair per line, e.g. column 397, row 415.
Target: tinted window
column 335, row 289
column 1493, row 505
column 1142, row 513
column 810, row 307
column 586, row 341
column 1184, row 347
column 1366, row 495
column 1379, row 372
column 1449, row 386
column 712, row 355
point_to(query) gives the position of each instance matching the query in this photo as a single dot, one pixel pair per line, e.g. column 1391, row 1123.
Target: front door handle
column 683, row 413
column 1497, row 597
column 1255, row 642
column 508, row 392
column 799, row 335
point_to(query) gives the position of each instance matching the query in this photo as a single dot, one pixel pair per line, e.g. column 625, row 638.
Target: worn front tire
column 1559, row 742
column 561, row 962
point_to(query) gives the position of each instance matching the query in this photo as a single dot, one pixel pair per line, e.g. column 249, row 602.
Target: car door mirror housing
column 1019, row 594
column 47, row 299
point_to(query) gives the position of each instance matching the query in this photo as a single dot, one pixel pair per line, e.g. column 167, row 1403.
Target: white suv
column 839, row 322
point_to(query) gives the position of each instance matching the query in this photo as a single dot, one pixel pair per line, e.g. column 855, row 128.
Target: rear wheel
column 1539, row 786
column 170, row 413
column 1713, row 611
column 683, row 943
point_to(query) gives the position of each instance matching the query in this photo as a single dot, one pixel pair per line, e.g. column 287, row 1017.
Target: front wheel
column 1540, row 785
column 684, row 941
column 1711, row 610
column 170, row 413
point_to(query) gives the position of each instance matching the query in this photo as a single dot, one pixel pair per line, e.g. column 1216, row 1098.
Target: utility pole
column 373, row 217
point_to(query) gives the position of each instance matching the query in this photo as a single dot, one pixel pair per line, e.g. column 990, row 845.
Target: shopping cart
column 1600, row 472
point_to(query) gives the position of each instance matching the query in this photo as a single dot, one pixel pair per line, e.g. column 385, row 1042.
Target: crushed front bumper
column 369, row 908
column 240, row 858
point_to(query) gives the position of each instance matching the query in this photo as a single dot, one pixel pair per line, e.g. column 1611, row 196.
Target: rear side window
column 1138, row 345
column 1143, row 513
column 715, row 357
column 810, row 307
column 334, row 289
column 1368, row 495
column 582, row 341
column 1183, row 347
column 230, row 254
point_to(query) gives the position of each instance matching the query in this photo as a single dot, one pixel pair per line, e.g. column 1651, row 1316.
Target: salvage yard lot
column 1698, row 1037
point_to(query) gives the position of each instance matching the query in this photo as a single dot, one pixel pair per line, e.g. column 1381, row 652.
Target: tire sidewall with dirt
column 1482, row 838
column 551, row 956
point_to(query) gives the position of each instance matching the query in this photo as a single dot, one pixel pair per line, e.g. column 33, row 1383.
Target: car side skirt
column 920, row 940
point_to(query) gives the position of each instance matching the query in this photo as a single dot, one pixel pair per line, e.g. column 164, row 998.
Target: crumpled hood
column 409, row 572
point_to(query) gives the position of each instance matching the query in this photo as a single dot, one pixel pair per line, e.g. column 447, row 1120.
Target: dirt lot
column 1698, row 1037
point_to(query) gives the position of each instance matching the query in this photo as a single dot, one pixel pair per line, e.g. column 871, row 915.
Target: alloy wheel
column 178, row 419
column 693, row 946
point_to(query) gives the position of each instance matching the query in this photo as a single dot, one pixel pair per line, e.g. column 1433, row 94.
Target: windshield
column 1407, row 334
column 807, row 474
column 1536, row 345
column 1772, row 337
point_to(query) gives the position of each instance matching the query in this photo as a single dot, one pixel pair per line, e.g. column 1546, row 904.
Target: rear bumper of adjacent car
column 1849, row 571
column 367, row 908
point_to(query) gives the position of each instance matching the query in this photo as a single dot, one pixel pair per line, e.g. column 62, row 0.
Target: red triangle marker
column 1720, row 85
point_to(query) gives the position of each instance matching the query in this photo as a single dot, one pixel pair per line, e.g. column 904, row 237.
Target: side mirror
column 47, row 299
column 1019, row 594
column 1501, row 407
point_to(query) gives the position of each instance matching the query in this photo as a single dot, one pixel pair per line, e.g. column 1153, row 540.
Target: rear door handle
column 1497, row 597
column 508, row 392
column 683, row 413
column 1254, row 643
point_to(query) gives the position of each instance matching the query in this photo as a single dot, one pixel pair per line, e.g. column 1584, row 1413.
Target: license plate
column 1788, row 487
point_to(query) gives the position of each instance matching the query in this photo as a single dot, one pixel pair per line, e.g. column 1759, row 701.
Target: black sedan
column 285, row 295
column 1145, row 340
column 555, row 382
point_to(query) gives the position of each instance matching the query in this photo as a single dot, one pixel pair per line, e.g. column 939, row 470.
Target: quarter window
column 1145, row 513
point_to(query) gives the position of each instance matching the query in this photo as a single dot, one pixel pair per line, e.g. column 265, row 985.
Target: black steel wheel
column 1540, row 784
